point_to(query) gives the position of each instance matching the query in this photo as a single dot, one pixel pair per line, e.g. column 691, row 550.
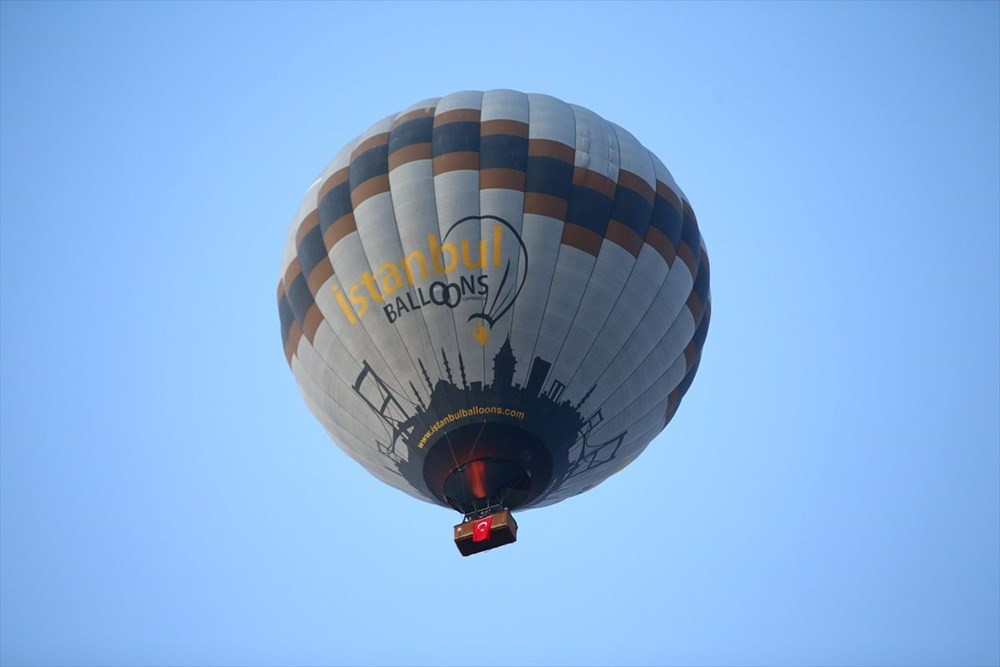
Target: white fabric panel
column 508, row 205
column 416, row 209
column 663, row 175
column 634, row 157
column 573, row 270
column 429, row 103
column 380, row 127
column 644, row 283
column 357, row 449
column 457, row 197
column 622, row 415
column 666, row 355
column 466, row 99
column 326, row 386
column 541, row 235
column 504, row 105
column 600, row 295
column 380, row 239
column 657, row 321
column 375, row 243
column 337, row 402
column 551, row 119
column 596, row 144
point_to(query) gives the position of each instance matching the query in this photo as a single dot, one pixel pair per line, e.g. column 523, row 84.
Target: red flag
column 481, row 530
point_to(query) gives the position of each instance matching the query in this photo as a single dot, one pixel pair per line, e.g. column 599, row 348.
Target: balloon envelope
column 494, row 298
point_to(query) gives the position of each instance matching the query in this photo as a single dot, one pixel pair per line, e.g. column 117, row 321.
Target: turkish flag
column 481, row 529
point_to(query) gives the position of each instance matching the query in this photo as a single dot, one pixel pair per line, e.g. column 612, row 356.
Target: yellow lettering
column 480, row 263
column 359, row 301
column 452, row 252
column 368, row 280
column 391, row 281
column 419, row 257
column 437, row 250
column 432, row 243
column 497, row 237
column 343, row 304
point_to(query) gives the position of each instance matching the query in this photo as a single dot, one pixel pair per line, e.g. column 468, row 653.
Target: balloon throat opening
column 483, row 467
column 486, row 485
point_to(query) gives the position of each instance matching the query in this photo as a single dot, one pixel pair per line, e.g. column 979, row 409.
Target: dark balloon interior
column 489, row 464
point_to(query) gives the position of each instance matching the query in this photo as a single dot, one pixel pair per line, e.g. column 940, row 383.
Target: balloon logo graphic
column 511, row 281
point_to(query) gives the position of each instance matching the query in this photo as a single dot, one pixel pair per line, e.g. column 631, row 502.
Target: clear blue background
column 828, row 493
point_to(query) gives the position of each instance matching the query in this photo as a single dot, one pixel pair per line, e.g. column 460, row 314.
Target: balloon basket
column 480, row 533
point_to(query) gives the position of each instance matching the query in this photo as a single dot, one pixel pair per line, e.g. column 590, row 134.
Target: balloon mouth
column 483, row 465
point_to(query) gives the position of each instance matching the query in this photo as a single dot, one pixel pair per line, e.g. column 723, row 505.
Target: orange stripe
column 373, row 186
column 320, row 274
column 512, row 127
column 306, row 226
column 457, row 116
column 582, row 239
column 624, row 236
column 410, row 153
column 507, row 179
column 543, row 204
column 456, row 161
column 659, row 242
column 380, row 139
column 293, row 271
column 553, row 149
column 338, row 230
column 336, row 178
column 637, row 184
column 423, row 112
column 597, row 182
column 313, row 319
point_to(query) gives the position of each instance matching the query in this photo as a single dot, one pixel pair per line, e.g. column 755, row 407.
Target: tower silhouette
column 503, row 366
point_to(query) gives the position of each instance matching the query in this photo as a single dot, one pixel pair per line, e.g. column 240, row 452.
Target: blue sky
column 827, row 494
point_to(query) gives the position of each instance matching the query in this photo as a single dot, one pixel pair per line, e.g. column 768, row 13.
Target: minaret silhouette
column 427, row 378
column 447, row 368
column 416, row 393
column 503, row 366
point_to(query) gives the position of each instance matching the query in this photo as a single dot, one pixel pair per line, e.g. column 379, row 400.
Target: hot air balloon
column 494, row 301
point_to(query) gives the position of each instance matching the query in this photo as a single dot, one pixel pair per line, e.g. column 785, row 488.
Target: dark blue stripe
column 667, row 219
column 300, row 299
column 701, row 333
column 686, row 382
column 503, row 151
column 311, row 250
column 632, row 210
column 549, row 176
column 373, row 162
column 691, row 236
column 286, row 316
column 416, row 131
column 453, row 137
column 689, row 233
column 335, row 205
column 701, row 282
column 589, row 208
